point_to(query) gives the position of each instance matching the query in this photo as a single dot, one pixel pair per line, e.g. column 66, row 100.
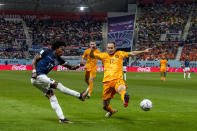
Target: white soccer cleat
column 88, row 96
column 108, row 114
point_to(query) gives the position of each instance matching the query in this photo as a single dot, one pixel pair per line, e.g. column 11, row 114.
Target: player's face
column 111, row 48
column 92, row 45
column 60, row 51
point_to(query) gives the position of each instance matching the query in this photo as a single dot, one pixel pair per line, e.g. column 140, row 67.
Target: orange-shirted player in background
column 163, row 66
column 90, row 67
column 113, row 75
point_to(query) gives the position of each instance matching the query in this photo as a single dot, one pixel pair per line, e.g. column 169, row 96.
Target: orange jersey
column 163, row 63
column 112, row 64
column 91, row 63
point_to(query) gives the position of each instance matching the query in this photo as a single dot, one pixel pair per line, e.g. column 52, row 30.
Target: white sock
column 56, row 107
column 125, row 76
column 66, row 90
column 189, row 75
column 184, row 75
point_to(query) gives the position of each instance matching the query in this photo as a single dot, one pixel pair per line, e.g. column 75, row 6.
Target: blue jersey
column 187, row 63
column 47, row 62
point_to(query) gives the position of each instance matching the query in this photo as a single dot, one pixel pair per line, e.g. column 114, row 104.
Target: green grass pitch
column 24, row 108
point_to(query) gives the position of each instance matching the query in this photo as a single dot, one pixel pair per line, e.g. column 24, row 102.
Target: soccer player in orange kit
column 163, row 64
column 113, row 75
column 90, row 67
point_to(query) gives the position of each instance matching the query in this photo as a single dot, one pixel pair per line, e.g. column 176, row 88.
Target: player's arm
column 71, row 67
column 134, row 53
column 34, row 63
column 84, row 57
column 95, row 54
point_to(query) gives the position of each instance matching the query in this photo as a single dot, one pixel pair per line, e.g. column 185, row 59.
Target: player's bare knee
column 121, row 88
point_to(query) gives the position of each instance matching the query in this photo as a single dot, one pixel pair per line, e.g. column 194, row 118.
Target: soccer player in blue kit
column 42, row 64
column 187, row 67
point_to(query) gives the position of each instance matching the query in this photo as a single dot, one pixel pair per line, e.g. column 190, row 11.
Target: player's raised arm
column 133, row 53
column 34, row 62
column 71, row 67
column 84, row 57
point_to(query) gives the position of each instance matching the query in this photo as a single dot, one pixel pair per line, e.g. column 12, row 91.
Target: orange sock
column 109, row 108
column 161, row 77
column 122, row 95
column 90, row 87
column 164, row 78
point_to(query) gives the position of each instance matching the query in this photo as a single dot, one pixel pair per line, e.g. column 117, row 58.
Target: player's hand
column 34, row 75
column 147, row 50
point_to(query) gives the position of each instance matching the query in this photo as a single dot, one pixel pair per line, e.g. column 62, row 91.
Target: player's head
column 111, row 48
column 92, row 44
column 58, row 48
column 163, row 57
column 187, row 57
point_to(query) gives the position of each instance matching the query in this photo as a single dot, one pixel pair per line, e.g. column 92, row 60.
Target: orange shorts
column 163, row 69
column 110, row 88
column 90, row 73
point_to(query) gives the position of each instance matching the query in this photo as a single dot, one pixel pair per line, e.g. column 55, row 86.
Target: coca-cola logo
column 62, row 68
column 144, row 69
column 19, row 67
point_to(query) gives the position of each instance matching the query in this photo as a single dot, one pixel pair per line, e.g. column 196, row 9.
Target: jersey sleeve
column 43, row 52
column 84, row 54
column 98, row 51
column 124, row 54
column 98, row 55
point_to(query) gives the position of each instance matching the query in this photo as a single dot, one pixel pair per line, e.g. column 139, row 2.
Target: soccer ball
column 146, row 104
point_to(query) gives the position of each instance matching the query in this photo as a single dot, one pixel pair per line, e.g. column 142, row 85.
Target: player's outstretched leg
column 65, row 90
column 83, row 95
column 124, row 95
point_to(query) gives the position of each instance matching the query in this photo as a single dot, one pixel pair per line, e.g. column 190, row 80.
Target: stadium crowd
column 12, row 39
column 153, row 21
column 159, row 19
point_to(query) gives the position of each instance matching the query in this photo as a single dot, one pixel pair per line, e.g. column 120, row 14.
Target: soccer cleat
column 64, row 121
column 84, row 94
column 108, row 114
column 88, row 96
column 126, row 99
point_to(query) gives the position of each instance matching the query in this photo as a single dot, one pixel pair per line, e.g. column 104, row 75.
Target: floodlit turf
column 24, row 108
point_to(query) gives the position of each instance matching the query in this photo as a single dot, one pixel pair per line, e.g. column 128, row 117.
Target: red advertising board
column 129, row 69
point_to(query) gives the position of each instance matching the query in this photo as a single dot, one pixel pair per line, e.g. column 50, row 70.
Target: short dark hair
column 112, row 43
column 57, row 44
